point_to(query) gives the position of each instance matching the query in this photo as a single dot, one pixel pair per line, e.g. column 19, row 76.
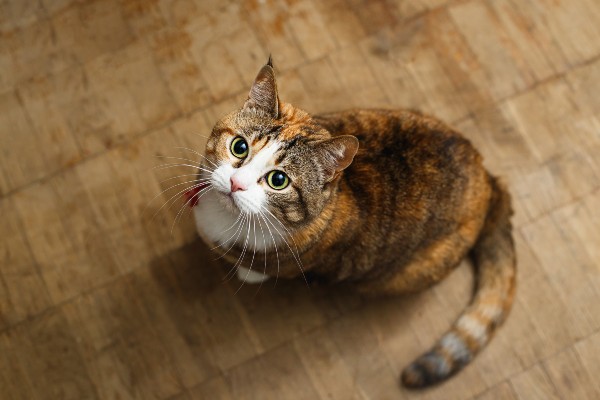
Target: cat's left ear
column 337, row 154
column 263, row 94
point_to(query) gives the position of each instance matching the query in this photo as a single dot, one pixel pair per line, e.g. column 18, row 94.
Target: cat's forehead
column 287, row 139
column 293, row 123
column 265, row 152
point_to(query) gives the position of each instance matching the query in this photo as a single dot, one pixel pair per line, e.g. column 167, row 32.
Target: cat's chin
column 228, row 202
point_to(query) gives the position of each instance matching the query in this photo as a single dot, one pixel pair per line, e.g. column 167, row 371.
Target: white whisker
column 265, row 255
column 173, row 198
column 253, row 255
column 181, row 176
column 242, row 254
column 201, row 155
column 199, row 162
column 204, row 136
column 167, row 189
column 239, row 232
column 274, row 243
column 296, row 254
column 232, row 225
column 198, row 196
column 195, row 167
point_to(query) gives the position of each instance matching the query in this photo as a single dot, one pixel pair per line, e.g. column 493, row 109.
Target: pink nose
column 236, row 185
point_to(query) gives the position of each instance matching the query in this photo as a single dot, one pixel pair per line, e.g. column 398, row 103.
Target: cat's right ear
column 263, row 94
column 337, row 154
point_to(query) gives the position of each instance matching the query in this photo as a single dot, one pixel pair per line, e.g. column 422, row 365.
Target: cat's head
column 272, row 158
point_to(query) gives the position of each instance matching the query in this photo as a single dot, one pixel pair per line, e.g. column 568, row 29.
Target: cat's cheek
column 210, row 146
column 294, row 216
column 221, row 177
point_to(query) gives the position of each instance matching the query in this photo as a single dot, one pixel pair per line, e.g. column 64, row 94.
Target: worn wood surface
column 99, row 300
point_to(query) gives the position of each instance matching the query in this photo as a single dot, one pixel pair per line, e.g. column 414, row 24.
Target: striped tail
column 494, row 259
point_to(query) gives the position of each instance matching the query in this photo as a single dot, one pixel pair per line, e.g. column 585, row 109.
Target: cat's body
column 392, row 215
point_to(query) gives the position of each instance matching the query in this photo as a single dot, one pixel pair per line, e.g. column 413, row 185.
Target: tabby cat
column 389, row 201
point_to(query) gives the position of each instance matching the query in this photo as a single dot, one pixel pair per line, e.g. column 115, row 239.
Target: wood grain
column 104, row 295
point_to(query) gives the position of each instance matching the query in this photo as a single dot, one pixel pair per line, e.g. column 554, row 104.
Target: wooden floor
column 100, row 300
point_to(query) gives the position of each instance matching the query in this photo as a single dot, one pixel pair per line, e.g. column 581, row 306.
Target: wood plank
column 364, row 358
column 319, row 79
column 587, row 353
column 570, row 377
column 277, row 374
column 71, row 252
column 324, row 364
column 120, row 346
column 309, row 30
column 21, row 163
column 497, row 69
column 216, row 388
column 341, row 21
column 572, row 274
column 534, row 384
column 182, row 72
column 83, row 38
column 268, row 309
column 41, row 359
column 270, row 22
column 502, row 391
column 129, row 96
column 23, row 293
column 357, row 79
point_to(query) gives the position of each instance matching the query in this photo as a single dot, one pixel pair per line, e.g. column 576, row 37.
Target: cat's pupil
column 278, row 178
column 240, row 147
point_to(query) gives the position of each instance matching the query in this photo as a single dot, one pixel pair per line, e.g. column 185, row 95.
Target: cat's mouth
column 228, row 201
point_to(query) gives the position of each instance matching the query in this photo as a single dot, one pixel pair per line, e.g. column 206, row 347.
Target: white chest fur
column 221, row 226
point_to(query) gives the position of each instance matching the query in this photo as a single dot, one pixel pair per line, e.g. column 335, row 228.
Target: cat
column 389, row 201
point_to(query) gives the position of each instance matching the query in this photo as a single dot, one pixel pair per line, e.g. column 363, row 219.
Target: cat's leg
column 249, row 276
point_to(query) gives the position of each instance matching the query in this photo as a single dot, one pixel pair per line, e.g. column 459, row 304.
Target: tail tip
column 427, row 370
column 413, row 377
column 419, row 375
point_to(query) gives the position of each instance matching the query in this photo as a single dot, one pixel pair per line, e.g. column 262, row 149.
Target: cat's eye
column 278, row 180
column 239, row 147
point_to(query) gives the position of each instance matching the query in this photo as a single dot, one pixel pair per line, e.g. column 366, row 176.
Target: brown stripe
column 469, row 341
column 302, row 201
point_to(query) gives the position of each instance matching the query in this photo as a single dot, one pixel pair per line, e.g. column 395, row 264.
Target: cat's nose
column 236, row 185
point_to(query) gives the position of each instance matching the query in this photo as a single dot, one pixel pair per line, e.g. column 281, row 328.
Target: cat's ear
column 337, row 154
column 263, row 94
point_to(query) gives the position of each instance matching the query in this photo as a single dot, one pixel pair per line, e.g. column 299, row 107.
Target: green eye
column 239, row 147
column 278, row 180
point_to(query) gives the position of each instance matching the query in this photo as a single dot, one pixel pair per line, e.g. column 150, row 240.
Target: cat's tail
column 495, row 263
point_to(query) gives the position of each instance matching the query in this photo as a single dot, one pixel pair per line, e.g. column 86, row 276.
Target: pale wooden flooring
column 98, row 300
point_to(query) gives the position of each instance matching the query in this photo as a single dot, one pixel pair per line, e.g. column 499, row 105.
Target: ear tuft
column 338, row 153
column 263, row 94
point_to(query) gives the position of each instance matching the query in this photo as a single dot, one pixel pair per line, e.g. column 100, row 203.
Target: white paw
column 249, row 276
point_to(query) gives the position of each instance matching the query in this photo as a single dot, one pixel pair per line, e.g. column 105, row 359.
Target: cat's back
column 404, row 144
column 413, row 178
